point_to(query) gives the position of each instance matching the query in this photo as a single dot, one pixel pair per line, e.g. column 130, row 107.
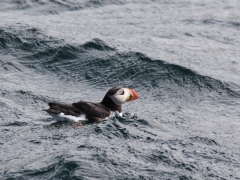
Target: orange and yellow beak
column 133, row 95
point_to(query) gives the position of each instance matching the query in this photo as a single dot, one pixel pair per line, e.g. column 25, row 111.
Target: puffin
column 90, row 111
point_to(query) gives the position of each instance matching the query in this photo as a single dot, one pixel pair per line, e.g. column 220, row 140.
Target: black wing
column 67, row 109
column 93, row 110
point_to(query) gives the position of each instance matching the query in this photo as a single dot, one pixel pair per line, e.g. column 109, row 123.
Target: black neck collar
column 108, row 102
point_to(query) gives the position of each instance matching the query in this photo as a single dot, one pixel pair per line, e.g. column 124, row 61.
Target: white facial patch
column 120, row 96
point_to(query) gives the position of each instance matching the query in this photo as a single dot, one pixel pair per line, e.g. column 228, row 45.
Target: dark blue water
column 182, row 57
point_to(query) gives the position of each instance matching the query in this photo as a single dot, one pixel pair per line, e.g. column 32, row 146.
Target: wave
column 56, row 6
column 57, row 167
column 104, row 66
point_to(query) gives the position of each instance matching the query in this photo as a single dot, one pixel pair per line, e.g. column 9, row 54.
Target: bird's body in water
column 93, row 112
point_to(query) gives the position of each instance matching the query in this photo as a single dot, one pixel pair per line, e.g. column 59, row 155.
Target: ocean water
column 181, row 56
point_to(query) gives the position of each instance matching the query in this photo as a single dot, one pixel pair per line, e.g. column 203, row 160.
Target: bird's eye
column 120, row 92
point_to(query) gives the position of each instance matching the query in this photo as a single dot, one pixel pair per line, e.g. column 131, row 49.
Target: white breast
column 63, row 117
column 114, row 113
column 82, row 117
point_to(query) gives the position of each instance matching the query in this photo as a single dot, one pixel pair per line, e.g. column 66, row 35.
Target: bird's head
column 120, row 95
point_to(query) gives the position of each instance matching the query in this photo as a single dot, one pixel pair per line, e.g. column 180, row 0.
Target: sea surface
column 181, row 56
